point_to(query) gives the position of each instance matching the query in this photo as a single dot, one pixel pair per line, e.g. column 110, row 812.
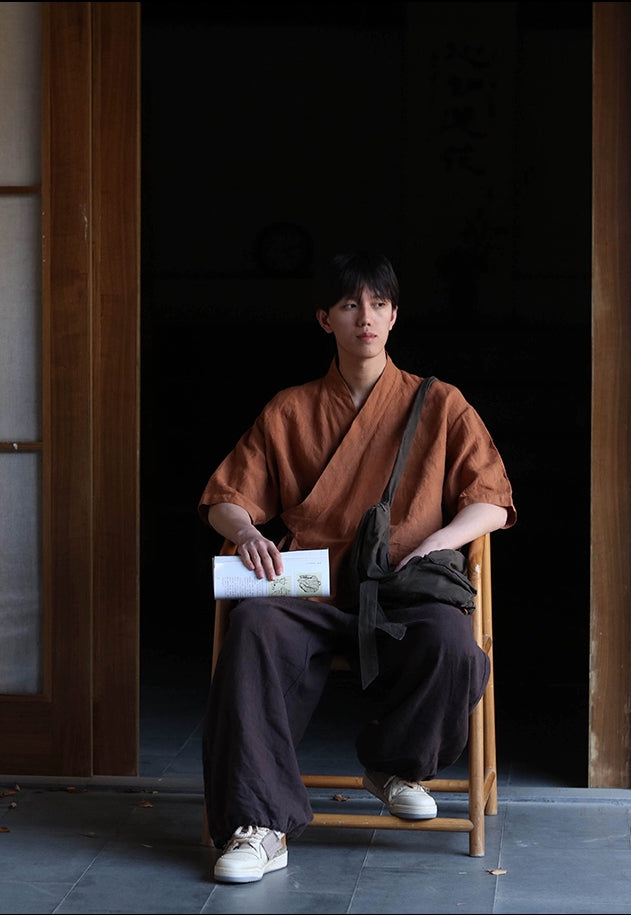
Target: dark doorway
column 276, row 133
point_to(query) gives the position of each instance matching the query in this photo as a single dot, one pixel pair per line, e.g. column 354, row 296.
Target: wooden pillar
column 610, row 638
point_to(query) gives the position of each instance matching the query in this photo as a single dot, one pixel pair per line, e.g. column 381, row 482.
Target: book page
column 305, row 574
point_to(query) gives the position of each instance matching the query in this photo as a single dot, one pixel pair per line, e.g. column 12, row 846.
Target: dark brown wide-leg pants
column 270, row 677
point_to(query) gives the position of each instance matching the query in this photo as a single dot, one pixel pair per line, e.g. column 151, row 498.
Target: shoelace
column 415, row 785
column 246, row 834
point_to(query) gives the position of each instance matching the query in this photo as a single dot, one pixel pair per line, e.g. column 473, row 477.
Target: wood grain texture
column 115, row 383
column 85, row 721
column 610, row 638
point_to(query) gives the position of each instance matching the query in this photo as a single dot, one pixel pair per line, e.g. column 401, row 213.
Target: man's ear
column 395, row 312
column 322, row 317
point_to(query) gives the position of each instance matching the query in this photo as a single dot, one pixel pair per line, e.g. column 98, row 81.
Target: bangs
column 349, row 274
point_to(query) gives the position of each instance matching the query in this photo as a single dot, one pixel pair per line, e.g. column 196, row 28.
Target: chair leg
column 490, row 749
column 476, row 781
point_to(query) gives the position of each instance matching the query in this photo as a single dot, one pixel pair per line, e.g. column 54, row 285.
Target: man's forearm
column 231, row 521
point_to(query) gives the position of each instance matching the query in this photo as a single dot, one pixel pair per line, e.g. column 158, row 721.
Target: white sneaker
column 408, row 800
column 251, row 852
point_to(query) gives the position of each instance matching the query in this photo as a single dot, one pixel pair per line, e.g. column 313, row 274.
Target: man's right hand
column 257, row 553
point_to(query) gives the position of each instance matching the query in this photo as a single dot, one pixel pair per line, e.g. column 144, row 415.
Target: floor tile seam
column 75, row 883
column 456, row 800
column 139, row 783
column 572, row 800
column 35, row 884
column 364, row 867
column 194, row 786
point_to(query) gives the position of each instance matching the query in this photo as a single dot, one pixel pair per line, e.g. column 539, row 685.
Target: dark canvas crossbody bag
column 439, row 576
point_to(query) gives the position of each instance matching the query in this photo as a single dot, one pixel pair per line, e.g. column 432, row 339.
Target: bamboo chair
column 480, row 785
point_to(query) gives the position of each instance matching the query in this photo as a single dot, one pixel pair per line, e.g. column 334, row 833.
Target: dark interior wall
column 457, row 140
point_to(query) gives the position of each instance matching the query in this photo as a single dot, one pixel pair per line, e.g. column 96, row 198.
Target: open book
column 306, row 574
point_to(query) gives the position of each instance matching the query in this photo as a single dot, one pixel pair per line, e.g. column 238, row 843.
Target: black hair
column 347, row 274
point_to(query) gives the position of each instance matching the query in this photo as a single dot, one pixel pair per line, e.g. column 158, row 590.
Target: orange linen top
column 311, row 458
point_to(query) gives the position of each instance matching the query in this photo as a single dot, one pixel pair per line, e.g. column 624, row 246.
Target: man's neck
column 362, row 376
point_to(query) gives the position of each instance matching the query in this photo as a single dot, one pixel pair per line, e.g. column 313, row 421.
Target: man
column 317, row 457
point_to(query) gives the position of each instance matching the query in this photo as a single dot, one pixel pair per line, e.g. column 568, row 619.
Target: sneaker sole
column 404, row 814
column 397, row 809
column 275, row 864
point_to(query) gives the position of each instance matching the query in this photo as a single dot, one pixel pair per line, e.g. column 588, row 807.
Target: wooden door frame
column 116, row 213
column 610, row 627
column 85, row 721
column 92, row 294
column 91, row 297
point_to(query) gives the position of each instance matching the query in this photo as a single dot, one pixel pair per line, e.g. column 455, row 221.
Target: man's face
column 361, row 324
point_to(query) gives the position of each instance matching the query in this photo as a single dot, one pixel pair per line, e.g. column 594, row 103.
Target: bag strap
column 370, row 612
column 406, row 441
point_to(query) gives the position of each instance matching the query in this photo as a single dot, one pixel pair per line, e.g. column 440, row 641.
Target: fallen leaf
column 13, row 805
column 4, row 829
column 74, row 790
column 496, row 871
column 340, row 797
column 8, row 792
column 144, row 804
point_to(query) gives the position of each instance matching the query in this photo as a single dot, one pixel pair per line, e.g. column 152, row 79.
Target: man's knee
column 270, row 619
column 445, row 630
column 252, row 613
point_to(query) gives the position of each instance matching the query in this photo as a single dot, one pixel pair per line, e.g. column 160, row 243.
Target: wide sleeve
column 246, row 477
column 474, row 469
